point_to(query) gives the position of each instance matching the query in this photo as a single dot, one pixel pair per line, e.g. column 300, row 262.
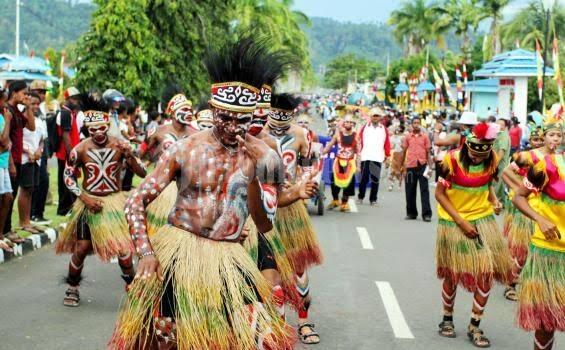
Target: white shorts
column 5, row 184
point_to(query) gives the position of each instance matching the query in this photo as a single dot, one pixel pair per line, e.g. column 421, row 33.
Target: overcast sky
column 365, row 10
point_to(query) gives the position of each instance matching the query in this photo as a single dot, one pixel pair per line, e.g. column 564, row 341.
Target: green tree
column 276, row 19
column 493, row 9
column 120, row 51
column 462, row 16
column 184, row 31
column 414, row 25
column 530, row 24
column 346, row 68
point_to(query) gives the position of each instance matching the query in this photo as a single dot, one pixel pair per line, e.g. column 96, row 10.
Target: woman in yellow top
column 541, row 301
column 518, row 228
column 470, row 249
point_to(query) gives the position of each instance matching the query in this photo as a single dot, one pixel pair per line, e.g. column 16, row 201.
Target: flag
column 438, row 82
column 558, row 78
column 446, row 84
column 459, row 77
column 61, row 74
column 539, row 60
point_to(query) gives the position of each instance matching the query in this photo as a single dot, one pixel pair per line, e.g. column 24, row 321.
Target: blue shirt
column 5, row 155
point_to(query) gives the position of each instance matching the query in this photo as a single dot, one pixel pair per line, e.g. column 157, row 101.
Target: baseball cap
column 469, row 118
column 376, row 111
column 71, row 92
column 38, row 85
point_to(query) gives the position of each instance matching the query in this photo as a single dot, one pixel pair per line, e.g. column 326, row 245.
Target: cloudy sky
column 365, row 10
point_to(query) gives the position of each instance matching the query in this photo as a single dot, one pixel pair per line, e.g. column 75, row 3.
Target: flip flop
column 15, row 238
column 30, row 229
column 5, row 246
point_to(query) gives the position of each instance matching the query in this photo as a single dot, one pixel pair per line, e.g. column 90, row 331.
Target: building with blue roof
column 24, row 68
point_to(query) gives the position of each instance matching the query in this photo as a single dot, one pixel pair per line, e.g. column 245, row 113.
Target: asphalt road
column 376, row 290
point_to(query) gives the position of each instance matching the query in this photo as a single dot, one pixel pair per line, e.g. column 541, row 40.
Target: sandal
column 15, row 238
column 510, row 294
column 5, row 246
column 305, row 338
column 447, row 329
column 476, row 336
column 72, row 297
column 31, row 230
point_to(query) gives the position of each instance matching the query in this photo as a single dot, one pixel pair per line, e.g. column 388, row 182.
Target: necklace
column 231, row 151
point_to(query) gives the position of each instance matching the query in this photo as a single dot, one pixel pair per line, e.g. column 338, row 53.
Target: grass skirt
column 158, row 211
column 214, row 283
column 297, row 236
column 288, row 283
column 518, row 230
column 108, row 229
column 462, row 260
column 541, row 298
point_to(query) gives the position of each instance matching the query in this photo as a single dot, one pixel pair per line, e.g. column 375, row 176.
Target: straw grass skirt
column 158, row 211
column 214, row 284
column 465, row 262
column 518, row 230
column 288, row 282
column 541, row 297
column 297, row 237
column 108, row 229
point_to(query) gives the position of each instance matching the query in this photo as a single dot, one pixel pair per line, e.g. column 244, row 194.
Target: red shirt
column 67, row 122
column 417, row 148
column 17, row 126
column 515, row 136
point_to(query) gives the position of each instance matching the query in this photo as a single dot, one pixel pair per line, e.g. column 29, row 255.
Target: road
column 350, row 309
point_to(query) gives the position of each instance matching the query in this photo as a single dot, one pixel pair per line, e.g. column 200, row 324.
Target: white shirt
column 373, row 143
column 32, row 139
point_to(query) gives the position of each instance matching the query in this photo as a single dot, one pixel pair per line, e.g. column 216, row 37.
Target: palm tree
column 493, row 10
column 529, row 25
column 461, row 15
column 414, row 25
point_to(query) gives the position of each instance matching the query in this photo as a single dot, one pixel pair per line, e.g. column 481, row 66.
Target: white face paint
column 184, row 115
column 99, row 133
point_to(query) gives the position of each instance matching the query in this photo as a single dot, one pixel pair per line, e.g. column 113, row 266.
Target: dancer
column 159, row 140
column 197, row 287
column 293, row 222
column 541, row 301
column 518, row 228
column 470, row 250
column 204, row 117
column 396, row 166
column 344, row 166
column 97, row 223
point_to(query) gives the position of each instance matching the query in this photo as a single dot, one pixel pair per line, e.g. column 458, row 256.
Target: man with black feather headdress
column 197, row 288
column 97, row 224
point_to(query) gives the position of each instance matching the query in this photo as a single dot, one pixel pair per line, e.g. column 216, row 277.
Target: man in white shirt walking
column 374, row 150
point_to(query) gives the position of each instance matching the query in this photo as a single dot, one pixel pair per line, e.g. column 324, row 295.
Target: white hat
column 504, row 117
column 468, row 118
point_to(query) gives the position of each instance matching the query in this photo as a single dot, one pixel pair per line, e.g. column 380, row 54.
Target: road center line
column 353, row 205
column 365, row 238
column 395, row 316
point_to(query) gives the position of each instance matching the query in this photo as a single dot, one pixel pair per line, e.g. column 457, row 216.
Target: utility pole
column 17, row 27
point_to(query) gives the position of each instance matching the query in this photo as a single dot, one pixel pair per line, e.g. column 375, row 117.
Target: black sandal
column 305, row 336
column 72, row 297
column 476, row 336
column 447, row 329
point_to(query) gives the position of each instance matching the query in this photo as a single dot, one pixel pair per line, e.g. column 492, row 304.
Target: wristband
column 146, row 254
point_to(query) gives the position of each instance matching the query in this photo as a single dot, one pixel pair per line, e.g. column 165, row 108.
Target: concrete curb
column 33, row 242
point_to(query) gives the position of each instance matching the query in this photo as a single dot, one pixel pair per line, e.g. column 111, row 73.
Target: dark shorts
column 29, row 175
column 266, row 258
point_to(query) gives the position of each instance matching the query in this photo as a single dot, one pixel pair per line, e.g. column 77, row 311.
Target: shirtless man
column 301, row 246
column 97, row 224
column 205, row 280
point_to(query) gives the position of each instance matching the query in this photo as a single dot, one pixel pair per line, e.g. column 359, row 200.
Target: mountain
column 330, row 38
column 43, row 24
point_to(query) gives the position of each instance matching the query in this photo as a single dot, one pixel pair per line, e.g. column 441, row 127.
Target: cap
column 376, row 111
column 469, row 118
column 71, row 92
column 38, row 85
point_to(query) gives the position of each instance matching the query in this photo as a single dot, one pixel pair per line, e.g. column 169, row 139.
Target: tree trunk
column 496, row 47
column 465, row 43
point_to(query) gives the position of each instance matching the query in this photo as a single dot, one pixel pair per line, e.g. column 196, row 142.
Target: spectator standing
column 502, row 149
column 5, row 185
column 31, row 158
column 374, row 147
column 515, row 136
column 69, row 137
column 39, row 196
column 417, row 158
column 21, row 117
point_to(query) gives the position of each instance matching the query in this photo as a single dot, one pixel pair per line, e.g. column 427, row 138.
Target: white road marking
column 395, row 316
column 353, row 205
column 365, row 238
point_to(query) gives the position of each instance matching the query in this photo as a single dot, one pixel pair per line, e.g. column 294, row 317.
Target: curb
column 33, row 242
